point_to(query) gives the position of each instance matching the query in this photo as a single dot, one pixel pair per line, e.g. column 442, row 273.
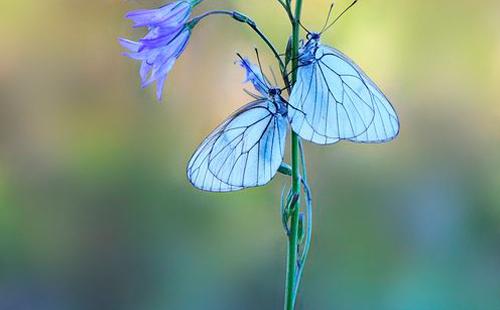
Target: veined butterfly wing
column 244, row 151
column 333, row 100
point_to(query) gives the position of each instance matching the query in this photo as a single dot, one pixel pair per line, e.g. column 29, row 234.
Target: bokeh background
column 96, row 212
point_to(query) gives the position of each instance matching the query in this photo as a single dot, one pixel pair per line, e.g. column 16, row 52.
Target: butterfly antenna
column 239, row 56
column 341, row 14
column 330, row 10
column 258, row 60
column 274, row 75
column 304, row 27
column 254, row 96
column 260, row 67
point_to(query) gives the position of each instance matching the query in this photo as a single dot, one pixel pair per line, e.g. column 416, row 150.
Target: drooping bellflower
column 167, row 37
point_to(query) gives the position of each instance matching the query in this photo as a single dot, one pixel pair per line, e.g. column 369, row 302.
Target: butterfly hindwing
column 244, row 151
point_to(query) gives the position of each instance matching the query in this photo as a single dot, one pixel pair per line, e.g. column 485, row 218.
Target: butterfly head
column 279, row 102
column 273, row 92
column 308, row 50
column 313, row 36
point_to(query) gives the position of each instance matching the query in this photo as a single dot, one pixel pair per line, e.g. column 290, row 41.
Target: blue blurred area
column 96, row 212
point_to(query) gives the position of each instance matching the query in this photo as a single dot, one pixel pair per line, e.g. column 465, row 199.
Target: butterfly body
column 308, row 51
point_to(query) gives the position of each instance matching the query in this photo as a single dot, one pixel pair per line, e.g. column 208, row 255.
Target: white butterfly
column 247, row 149
column 333, row 99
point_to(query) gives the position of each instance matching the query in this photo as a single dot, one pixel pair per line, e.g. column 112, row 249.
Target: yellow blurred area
column 96, row 211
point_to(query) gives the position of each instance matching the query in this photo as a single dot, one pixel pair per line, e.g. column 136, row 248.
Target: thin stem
column 295, row 39
column 247, row 20
column 292, row 286
column 308, row 236
column 286, row 6
column 294, row 228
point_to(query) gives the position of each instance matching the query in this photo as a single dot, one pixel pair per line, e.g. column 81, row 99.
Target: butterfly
column 247, row 149
column 333, row 99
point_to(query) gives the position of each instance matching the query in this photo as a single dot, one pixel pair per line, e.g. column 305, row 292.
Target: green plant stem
column 294, row 262
column 287, row 9
column 294, row 229
column 308, row 223
column 247, row 20
column 293, row 237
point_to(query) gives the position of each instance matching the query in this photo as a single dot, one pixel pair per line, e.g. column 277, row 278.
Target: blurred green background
column 96, row 211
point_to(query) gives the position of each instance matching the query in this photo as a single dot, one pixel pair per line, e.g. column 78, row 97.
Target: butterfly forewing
column 385, row 125
column 198, row 173
column 334, row 100
column 245, row 151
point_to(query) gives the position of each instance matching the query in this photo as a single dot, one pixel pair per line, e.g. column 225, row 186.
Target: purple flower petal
column 163, row 38
column 165, row 60
column 166, row 39
column 130, row 45
column 144, row 71
column 170, row 14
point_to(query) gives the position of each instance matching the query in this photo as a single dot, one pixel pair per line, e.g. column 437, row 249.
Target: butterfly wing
column 333, row 99
column 385, row 125
column 244, row 151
